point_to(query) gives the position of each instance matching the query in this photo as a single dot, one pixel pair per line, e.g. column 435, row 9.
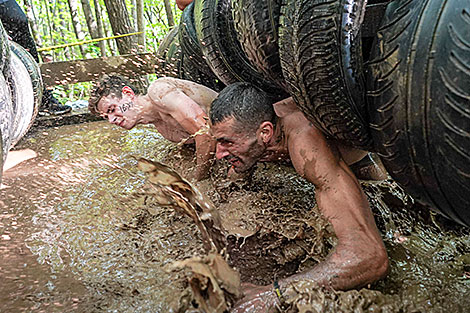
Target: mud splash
column 91, row 240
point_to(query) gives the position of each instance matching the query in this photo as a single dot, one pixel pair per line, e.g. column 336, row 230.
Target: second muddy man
column 176, row 107
column 249, row 129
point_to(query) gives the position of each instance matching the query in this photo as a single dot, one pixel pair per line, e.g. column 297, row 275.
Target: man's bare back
column 160, row 93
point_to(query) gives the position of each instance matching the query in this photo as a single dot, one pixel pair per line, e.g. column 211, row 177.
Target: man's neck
column 148, row 112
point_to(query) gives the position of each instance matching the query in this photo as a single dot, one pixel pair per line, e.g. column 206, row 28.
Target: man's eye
column 226, row 143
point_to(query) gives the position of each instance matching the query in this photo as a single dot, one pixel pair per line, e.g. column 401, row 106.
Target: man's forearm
column 345, row 269
column 205, row 147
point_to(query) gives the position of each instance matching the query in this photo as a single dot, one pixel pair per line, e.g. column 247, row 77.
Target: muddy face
column 119, row 111
column 241, row 149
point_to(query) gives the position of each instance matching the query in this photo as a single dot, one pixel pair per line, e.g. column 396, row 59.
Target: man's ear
column 126, row 90
column 266, row 131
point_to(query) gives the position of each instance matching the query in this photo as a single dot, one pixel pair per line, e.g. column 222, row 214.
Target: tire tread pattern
column 257, row 24
column 321, row 61
column 419, row 101
column 219, row 43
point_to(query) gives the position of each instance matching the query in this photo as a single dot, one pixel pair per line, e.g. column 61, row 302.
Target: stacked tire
column 321, row 58
column 204, row 48
column 20, row 93
column 419, row 101
column 181, row 57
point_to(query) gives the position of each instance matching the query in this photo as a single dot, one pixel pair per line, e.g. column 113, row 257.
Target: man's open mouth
column 234, row 161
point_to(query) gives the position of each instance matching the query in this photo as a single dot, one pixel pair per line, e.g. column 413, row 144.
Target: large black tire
column 165, row 67
column 173, row 60
column 321, row 59
column 257, row 24
column 195, row 67
column 189, row 43
column 26, row 90
column 176, row 64
column 419, row 101
column 220, row 46
column 192, row 73
column 4, row 53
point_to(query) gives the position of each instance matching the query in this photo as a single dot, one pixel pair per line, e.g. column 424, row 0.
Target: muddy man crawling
column 176, row 107
column 248, row 129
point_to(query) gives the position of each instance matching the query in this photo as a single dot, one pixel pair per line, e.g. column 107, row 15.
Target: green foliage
column 51, row 24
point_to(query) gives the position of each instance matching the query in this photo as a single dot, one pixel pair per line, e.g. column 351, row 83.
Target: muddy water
column 78, row 232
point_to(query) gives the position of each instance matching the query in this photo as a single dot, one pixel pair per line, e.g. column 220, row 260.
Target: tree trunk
column 111, row 43
column 140, row 24
column 133, row 11
column 99, row 26
column 73, row 5
column 150, row 20
column 121, row 24
column 49, row 24
column 68, row 53
column 92, row 25
column 169, row 13
column 29, row 11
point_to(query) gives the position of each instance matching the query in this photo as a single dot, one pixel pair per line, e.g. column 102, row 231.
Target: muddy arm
column 360, row 256
column 193, row 119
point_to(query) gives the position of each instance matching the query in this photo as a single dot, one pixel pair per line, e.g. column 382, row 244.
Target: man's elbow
column 378, row 265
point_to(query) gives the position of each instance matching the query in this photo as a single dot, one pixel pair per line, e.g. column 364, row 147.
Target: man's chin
column 127, row 127
column 242, row 169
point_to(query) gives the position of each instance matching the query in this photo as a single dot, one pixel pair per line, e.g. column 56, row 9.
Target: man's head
column 113, row 97
column 243, row 120
column 182, row 4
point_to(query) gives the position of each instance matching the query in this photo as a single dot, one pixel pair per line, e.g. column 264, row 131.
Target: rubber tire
column 321, row 59
column 6, row 116
column 257, row 25
column 419, row 101
column 190, row 44
column 177, row 65
column 4, row 53
column 173, row 60
column 220, row 46
column 162, row 54
column 192, row 73
column 26, row 90
column 34, row 72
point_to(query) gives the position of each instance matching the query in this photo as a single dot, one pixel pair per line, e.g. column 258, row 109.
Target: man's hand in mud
column 257, row 299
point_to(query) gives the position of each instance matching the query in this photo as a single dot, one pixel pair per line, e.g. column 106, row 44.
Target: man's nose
column 220, row 152
column 111, row 118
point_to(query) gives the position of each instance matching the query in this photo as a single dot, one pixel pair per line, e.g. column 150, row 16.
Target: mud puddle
column 78, row 232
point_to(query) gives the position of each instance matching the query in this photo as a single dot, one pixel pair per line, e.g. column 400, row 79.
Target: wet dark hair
column 106, row 86
column 249, row 105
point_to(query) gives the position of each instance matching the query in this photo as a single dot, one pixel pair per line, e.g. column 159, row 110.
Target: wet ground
column 79, row 234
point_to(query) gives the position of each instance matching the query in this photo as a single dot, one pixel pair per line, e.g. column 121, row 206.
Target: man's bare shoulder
column 160, row 88
column 165, row 85
column 285, row 107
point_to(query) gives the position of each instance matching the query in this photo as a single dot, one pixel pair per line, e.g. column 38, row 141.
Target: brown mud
column 81, row 233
